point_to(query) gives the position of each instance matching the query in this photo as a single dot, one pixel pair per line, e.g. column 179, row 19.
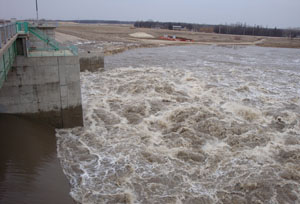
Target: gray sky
column 271, row 13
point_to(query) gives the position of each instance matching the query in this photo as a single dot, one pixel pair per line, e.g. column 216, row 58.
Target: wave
column 159, row 135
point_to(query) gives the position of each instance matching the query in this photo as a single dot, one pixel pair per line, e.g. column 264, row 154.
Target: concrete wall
column 35, row 42
column 46, row 88
column 91, row 61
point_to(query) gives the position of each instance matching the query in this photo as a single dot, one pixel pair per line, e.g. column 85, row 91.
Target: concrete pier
column 46, row 88
column 35, row 42
column 92, row 61
column 41, row 79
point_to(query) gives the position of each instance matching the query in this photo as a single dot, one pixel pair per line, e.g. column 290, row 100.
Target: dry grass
column 281, row 42
column 120, row 35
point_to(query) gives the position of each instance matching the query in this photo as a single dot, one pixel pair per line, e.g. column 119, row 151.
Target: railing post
column 1, row 71
column 15, row 28
column 15, row 48
column 4, row 65
column 9, row 57
column 19, row 27
column 0, row 38
column 9, row 29
column 7, row 33
column 4, row 32
column 26, row 27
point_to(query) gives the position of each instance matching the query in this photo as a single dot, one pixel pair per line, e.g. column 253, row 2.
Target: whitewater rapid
column 200, row 124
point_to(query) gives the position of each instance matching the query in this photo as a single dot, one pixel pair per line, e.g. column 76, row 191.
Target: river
column 30, row 172
column 188, row 124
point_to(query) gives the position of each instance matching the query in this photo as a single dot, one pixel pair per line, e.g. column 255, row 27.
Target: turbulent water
column 196, row 124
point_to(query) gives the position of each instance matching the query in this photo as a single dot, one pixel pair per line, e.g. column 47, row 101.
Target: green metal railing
column 53, row 44
column 6, row 61
column 49, row 41
column 22, row 27
column 74, row 49
column 8, row 31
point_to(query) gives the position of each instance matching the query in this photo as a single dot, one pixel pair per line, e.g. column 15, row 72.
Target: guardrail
column 6, row 61
column 42, row 36
column 8, row 53
column 7, row 31
column 53, row 44
column 74, row 49
column 22, row 27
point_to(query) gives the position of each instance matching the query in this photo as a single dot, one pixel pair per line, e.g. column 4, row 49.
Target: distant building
column 177, row 27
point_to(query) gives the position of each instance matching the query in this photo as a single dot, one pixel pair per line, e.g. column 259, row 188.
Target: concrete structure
column 46, row 88
column 35, row 42
column 91, row 61
column 43, row 83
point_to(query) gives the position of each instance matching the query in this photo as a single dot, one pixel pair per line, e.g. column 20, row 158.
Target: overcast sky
column 271, row 13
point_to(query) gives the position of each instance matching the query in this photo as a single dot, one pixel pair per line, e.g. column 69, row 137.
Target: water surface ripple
column 195, row 124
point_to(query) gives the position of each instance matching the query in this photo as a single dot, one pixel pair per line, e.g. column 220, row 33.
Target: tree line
column 101, row 21
column 243, row 29
column 235, row 29
column 169, row 25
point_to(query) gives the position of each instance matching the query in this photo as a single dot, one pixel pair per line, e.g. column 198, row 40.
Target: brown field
column 111, row 39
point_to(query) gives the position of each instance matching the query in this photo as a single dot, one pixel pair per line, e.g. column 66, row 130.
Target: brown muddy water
column 194, row 124
column 30, row 172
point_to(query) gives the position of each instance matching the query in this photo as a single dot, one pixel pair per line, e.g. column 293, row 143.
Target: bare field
column 111, row 38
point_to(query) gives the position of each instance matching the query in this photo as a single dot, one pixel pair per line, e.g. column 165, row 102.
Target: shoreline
column 112, row 39
column 124, row 49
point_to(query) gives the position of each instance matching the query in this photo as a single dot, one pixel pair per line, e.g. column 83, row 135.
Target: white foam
column 156, row 134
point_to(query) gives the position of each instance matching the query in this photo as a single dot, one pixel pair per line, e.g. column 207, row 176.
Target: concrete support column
column 44, row 88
